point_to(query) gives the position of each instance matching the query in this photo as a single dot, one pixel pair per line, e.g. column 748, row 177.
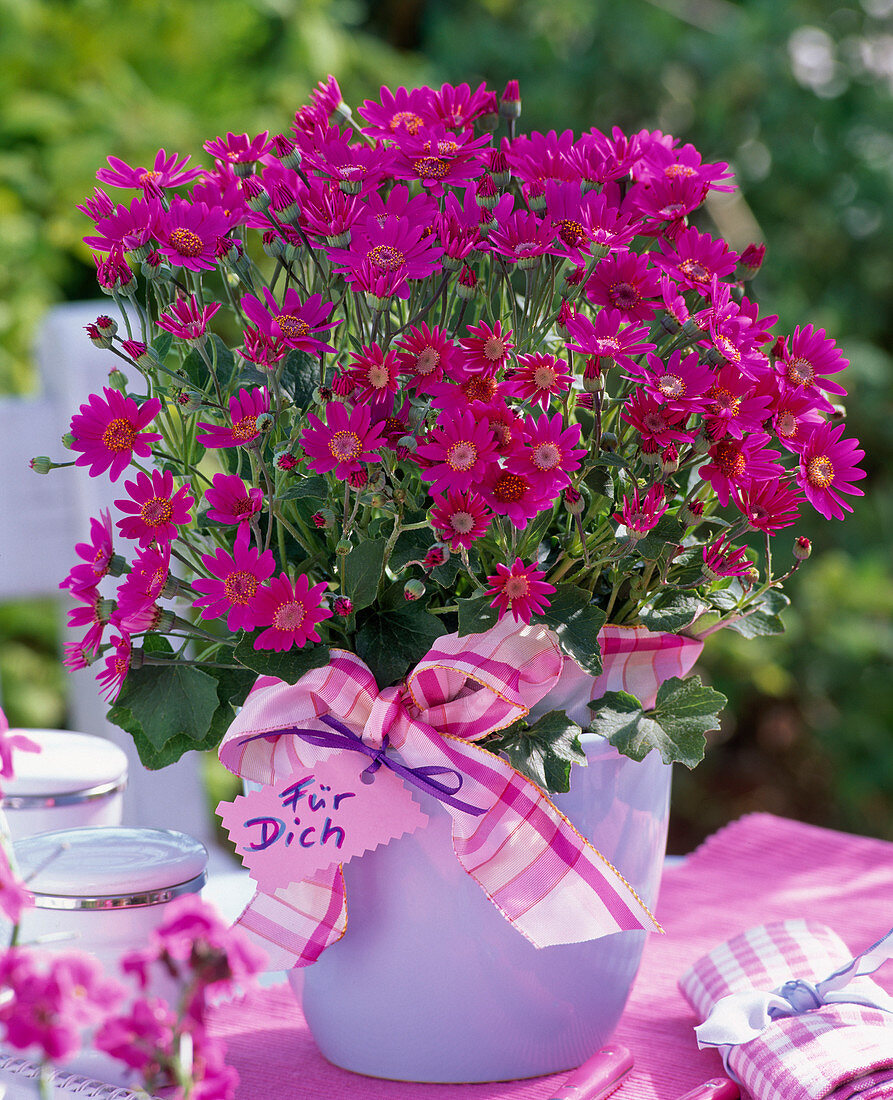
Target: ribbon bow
column 548, row 881
column 740, row 1017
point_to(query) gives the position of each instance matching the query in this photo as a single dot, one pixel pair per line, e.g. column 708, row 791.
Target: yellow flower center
column 820, row 471
column 119, row 435
column 240, row 586
column 345, row 446
column 385, row 257
column 186, row 242
column 291, row 327
column 156, row 512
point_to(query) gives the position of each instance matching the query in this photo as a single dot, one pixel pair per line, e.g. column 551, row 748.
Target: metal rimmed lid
column 70, row 767
column 110, row 868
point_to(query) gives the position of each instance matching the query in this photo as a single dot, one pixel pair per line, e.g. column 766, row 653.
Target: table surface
column 758, row 869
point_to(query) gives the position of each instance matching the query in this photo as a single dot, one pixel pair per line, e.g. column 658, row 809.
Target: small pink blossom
column 291, row 612
column 235, row 582
column 110, row 430
column 186, row 319
column 230, row 501
column 344, row 442
column 244, row 409
column 155, row 510
column 520, row 590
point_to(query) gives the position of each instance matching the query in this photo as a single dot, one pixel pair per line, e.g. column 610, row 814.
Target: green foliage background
column 797, row 96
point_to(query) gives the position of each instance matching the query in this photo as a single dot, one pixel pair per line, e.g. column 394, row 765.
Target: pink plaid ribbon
column 834, row 1051
column 534, row 866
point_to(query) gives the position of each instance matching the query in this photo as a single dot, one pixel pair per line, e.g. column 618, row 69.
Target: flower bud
column 256, row 194
column 691, row 513
column 413, row 590
column 104, row 610
column 343, row 385
column 437, row 555
column 106, row 325
column 68, row 440
column 342, row 606
column 324, row 520
column 669, row 459
column 358, row 479
column 486, row 193
column 574, row 501
column 609, row 442
column 510, row 101
column 408, row 443
column 713, row 358
column 287, row 152
column 750, row 261
column 96, row 338
column 117, row 380
column 467, row 285
column 42, row 464
column 499, row 168
column 802, row 548
column 343, row 547
column 285, row 461
column 264, row 421
column 536, row 196
column 583, row 401
column 189, row 401
column 650, row 452
column 139, row 353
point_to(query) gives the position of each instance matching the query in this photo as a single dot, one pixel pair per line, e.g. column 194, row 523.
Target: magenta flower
column 97, row 554
column 128, row 227
column 229, row 501
column 156, row 511
column 290, row 612
column 113, row 273
column 344, row 442
column 607, row 338
column 597, row 159
column 460, row 518
column 398, row 113
column 457, row 452
column 768, row 505
column 14, row 895
column 537, row 158
column 457, row 107
column 486, row 348
column 92, row 613
column 655, row 421
column 239, row 151
column 625, row 281
column 640, row 515
column 426, row 354
column 681, row 383
column 734, row 405
column 244, row 409
column 520, row 590
column 355, row 167
column 9, row 743
column 523, row 239
column 517, row 496
column 440, row 158
column 375, row 375
column 117, row 665
column 139, row 1037
column 696, row 258
column 585, row 219
column 795, row 412
column 538, row 377
column 809, row 357
column 550, row 454
column 167, row 171
column 109, row 432
column 293, row 322
column 737, row 463
column 187, row 319
column 147, row 579
column 188, row 234
column 828, row 468
column 233, row 589
column 722, row 560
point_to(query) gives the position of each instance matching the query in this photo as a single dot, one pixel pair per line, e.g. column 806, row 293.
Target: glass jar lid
column 70, row 767
column 111, row 867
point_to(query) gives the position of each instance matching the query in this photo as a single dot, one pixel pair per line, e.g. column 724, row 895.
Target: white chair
column 44, row 516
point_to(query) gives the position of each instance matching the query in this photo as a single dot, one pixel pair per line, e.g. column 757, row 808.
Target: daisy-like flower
column 395, row 245
column 375, row 375
column 681, row 383
column 148, row 577
column 294, row 322
column 128, row 227
column 460, row 518
column 640, row 514
column 721, row 559
column 117, row 665
column 537, row 158
column 695, row 258
column 486, row 348
column 235, row 583
column 344, row 442
column 166, row 171
column 188, row 234
column 768, row 505
column 551, row 451
column 517, row 496
column 607, row 338
column 582, row 220
column 809, row 357
column 230, row 501
column 97, row 554
column 154, row 510
column 356, row 168
column 93, row 613
column 109, row 431
column 736, row 463
column 290, row 612
column 457, row 453
column 538, row 377
column 655, row 421
column 828, row 469
column 795, row 413
column 439, row 158
column 244, row 409
column 626, row 282
column 458, row 106
column 597, row 159
column 426, row 354
column 398, row 113
column 523, row 239
column 520, row 590
column 734, row 406
column 239, row 151
column 187, row 319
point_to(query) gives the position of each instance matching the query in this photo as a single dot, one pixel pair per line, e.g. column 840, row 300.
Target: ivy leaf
column 300, row 377
column 410, row 546
column 289, row 666
column 543, row 751
column 161, row 345
column 312, row 488
column 392, row 641
column 576, row 620
column 197, row 369
column 362, row 571
column 476, row 615
column 670, row 611
column 683, row 713
column 170, row 700
column 766, row 620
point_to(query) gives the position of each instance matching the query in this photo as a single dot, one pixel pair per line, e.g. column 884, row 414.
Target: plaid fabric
column 533, row 865
column 834, row 1052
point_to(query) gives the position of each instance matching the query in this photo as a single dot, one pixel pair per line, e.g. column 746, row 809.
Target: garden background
column 797, row 96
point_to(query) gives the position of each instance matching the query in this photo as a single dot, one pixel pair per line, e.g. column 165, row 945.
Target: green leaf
column 476, row 615
column 170, row 700
column 197, row 371
column 544, row 750
column 289, row 666
column 313, row 488
column 410, row 546
column 576, row 620
column 391, row 642
column 683, row 713
column 300, row 377
column 161, row 345
column 766, row 620
column 669, row 611
column 362, row 571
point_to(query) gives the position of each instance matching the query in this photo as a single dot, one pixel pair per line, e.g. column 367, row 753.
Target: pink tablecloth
column 758, row 869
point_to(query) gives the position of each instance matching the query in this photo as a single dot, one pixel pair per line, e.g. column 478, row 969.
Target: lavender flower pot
column 432, row 983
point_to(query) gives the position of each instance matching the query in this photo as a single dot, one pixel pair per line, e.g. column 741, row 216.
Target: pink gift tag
column 322, row 815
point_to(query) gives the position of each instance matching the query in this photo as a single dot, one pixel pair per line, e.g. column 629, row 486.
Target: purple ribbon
column 341, row 736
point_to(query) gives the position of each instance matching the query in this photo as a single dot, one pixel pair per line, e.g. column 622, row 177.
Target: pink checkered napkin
column 832, row 1053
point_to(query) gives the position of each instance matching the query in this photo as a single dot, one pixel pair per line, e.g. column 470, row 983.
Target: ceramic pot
column 431, row 983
